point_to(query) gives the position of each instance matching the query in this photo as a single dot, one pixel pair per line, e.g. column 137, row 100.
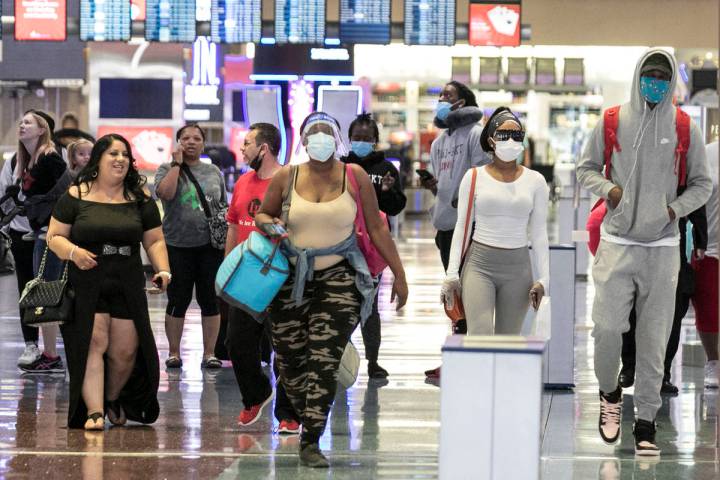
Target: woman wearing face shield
column 509, row 208
column 330, row 288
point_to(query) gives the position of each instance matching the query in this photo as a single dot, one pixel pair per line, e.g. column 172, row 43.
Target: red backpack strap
column 611, row 119
column 682, row 129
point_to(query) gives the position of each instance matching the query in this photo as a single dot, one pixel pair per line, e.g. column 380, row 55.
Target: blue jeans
column 53, row 265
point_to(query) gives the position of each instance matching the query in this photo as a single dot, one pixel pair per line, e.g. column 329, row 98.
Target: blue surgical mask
column 361, row 149
column 320, row 146
column 442, row 110
column 653, row 89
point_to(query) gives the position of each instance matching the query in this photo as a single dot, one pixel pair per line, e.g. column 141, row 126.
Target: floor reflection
column 377, row 429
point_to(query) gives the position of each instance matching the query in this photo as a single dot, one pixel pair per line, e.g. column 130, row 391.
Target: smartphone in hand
column 156, row 288
column 424, row 174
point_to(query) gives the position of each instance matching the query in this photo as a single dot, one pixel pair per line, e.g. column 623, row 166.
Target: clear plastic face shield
column 315, row 139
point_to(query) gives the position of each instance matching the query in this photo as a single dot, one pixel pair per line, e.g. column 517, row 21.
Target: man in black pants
column 685, row 290
column 245, row 334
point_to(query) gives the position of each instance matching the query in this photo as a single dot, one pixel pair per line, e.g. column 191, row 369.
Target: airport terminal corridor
column 379, row 429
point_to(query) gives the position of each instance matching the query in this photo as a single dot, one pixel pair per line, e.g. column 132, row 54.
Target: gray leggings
column 496, row 283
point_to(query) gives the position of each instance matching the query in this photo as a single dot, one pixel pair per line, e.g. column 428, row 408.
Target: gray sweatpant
column 647, row 277
column 496, row 284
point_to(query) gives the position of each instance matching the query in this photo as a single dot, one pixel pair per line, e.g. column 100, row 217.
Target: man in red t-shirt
column 244, row 334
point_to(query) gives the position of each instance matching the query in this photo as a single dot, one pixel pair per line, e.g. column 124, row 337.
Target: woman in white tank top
column 310, row 333
column 508, row 209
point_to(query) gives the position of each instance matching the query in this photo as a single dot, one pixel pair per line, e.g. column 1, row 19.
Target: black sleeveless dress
column 96, row 224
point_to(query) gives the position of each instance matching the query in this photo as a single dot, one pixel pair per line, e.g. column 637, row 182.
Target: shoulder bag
column 47, row 302
column 215, row 218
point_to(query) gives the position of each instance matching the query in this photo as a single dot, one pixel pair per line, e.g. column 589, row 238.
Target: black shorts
column 193, row 267
column 112, row 300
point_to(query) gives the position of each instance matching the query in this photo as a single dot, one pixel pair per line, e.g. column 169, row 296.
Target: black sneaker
column 610, row 416
column 668, row 388
column 626, row 379
column 644, row 433
column 376, row 371
column 311, row 456
column 45, row 364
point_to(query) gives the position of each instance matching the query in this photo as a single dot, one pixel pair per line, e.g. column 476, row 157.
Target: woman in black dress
column 98, row 226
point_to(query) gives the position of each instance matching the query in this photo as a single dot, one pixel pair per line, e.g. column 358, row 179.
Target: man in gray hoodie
column 638, row 260
column 453, row 152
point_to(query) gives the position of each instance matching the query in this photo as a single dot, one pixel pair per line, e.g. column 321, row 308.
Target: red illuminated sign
column 496, row 24
column 40, row 20
column 137, row 10
column 151, row 146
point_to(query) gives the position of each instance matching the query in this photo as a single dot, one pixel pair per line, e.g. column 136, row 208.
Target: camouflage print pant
column 309, row 340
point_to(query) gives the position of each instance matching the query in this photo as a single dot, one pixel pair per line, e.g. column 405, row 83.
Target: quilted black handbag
column 47, row 302
column 215, row 216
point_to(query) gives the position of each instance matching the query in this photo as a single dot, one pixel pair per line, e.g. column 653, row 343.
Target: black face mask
column 256, row 162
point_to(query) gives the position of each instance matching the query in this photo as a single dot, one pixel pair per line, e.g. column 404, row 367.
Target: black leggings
column 193, row 266
column 22, row 251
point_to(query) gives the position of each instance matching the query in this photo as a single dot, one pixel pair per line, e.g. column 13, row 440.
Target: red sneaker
column 253, row 414
column 289, row 427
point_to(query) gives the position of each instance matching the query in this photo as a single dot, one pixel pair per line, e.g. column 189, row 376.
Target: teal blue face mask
column 361, row 149
column 442, row 110
column 653, row 89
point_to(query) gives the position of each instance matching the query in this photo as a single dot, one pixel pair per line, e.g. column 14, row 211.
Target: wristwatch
column 165, row 274
column 174, row 164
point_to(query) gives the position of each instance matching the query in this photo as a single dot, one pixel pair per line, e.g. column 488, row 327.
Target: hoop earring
column 94, row 174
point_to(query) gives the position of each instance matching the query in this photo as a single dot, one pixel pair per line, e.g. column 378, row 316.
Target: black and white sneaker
column 610, row 416
column 644, row 433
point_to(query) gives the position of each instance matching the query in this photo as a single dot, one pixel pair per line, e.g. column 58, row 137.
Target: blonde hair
column 72, row 149
column 45, row 145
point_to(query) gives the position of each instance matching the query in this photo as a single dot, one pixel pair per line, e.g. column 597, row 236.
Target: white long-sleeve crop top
column 506, row 215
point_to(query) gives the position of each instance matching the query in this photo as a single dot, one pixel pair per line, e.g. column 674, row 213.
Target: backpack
column 611, row 118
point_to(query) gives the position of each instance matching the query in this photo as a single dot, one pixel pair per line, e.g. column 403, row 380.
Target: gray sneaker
column 312, row 457
column 29, row 356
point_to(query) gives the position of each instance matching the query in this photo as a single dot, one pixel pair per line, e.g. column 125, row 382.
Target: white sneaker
column 29, row 355
column 711, row 374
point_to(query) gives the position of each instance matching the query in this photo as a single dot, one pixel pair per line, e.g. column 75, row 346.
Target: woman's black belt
column 124, row 250
column 108, row 249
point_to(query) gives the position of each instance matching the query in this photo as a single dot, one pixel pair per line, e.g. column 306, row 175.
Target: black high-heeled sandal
column 115, row 408
column 95, row 416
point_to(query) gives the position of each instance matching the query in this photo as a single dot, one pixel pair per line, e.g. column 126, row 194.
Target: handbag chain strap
column 41, row 270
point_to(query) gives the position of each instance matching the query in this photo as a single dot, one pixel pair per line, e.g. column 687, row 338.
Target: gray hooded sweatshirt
column 645, row 168
column 453, row 153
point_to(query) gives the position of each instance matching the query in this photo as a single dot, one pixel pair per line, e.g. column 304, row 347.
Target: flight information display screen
column 105, row 20
column 365, row 21
column 236, row 21
column 430, row 22
column 170, row 21
column 299, row 21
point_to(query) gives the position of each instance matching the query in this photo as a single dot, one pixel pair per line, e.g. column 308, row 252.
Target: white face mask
column 508, row 150
column 320, row 146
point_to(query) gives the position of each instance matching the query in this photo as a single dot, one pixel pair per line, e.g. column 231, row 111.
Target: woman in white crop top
column 494, row 275
column 314, row 314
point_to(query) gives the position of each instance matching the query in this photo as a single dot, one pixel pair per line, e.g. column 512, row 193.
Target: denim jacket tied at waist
column 348, row 249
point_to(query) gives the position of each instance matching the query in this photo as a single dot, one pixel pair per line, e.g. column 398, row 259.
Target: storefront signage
column 329, row 54
column 204, row 89
column 494, row 24
column 42, row 20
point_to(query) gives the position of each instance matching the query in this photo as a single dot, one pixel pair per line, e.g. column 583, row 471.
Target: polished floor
column 385, row 429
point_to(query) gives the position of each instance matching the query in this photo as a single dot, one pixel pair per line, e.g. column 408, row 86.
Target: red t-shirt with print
column 246, row 200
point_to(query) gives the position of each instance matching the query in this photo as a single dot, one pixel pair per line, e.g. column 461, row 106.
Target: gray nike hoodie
column 645, row 167
column 453, row 153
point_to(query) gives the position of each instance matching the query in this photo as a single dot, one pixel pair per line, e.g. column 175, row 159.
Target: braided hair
column 365, row 118
column 464, row 93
